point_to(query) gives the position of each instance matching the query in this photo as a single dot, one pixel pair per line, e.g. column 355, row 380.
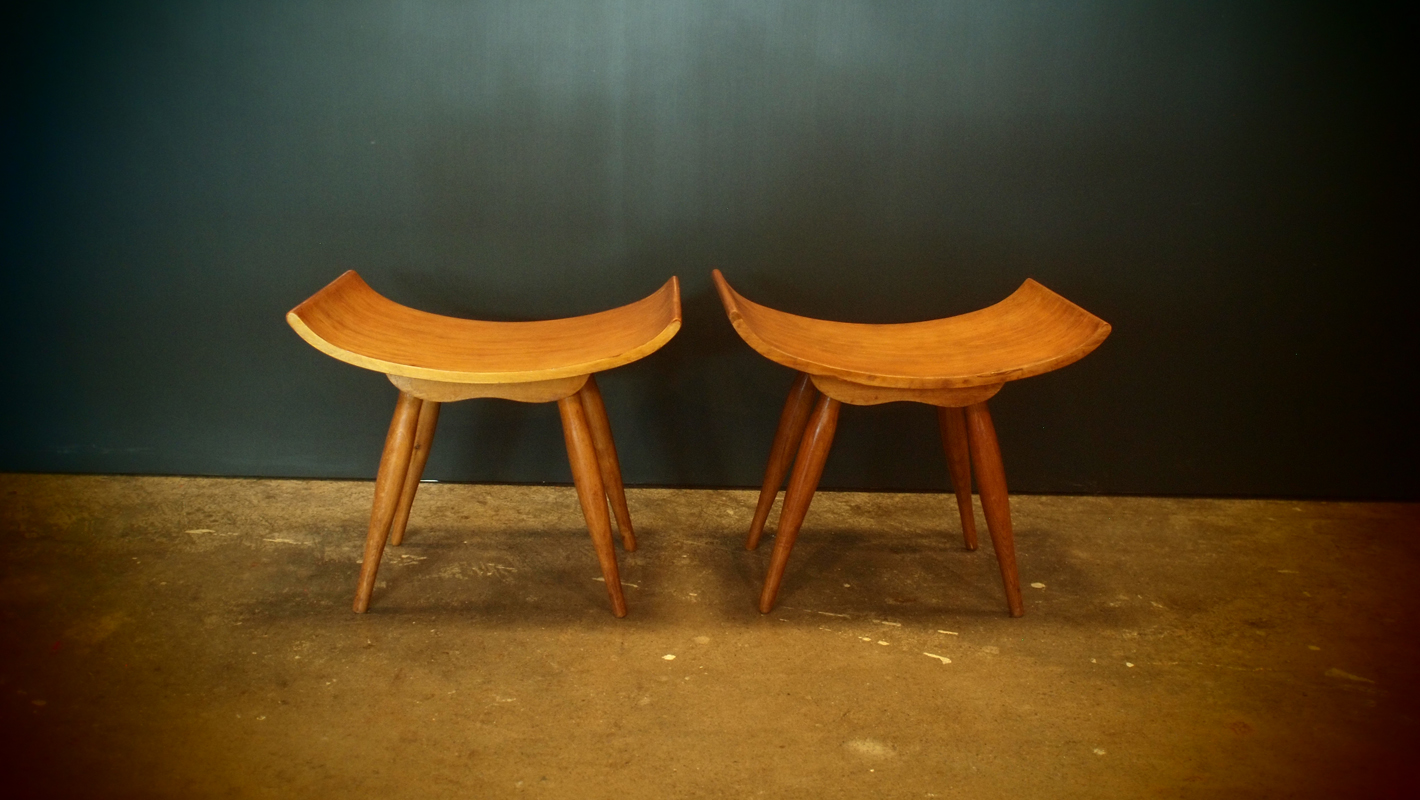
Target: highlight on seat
column 954, row 363
column 434, row 359
column 352, row 322
column 1031, row 332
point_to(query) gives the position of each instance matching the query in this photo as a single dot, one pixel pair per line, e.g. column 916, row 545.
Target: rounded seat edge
column 1031, row 332
column 350, row 321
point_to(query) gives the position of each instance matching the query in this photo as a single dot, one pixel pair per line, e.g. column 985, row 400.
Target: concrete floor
column 170, row 637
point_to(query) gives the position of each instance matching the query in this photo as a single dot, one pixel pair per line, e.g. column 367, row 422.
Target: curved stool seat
column 350, row 321
column 956, row 363
column 1031, row 332
column 434, row 359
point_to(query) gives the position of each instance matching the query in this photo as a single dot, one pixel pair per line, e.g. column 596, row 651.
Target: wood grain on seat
column 1029, row 333
column 352, row 322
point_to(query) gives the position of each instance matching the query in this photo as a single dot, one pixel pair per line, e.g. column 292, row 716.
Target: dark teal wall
column 1221, row 181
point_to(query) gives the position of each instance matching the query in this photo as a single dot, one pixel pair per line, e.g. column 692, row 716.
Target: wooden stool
column 955, row 364
column 435, row 359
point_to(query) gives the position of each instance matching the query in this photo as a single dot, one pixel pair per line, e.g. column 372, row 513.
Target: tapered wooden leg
column 423, row 438
column 808, row 468
column 394, row 465
column 952, row 422
column 991, row 482
column 582, row 455
column 786, row 441
column 607, row 462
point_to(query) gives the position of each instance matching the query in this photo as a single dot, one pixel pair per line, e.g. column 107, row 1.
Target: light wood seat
column 352, row 322
column 1031, row 332
column 434, row 359
column 956, row 364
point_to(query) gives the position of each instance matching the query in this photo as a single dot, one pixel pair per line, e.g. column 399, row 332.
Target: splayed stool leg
column 423, row 439
column 995, row 502
column 786, row 442
column 607, row 462
column 952, row 422
column 586, row 474
column 389, row 483
column 808, row 468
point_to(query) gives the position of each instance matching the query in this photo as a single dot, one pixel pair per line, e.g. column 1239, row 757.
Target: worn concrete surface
column 170, row 637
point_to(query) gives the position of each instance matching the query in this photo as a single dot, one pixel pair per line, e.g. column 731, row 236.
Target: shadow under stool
column 434, row 359
column 956, row 364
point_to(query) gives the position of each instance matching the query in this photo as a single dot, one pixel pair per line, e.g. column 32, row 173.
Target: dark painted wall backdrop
column 1218, row 180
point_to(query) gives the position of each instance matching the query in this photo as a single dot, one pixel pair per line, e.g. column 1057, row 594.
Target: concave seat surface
column 1031, row 332
column 352, row 322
